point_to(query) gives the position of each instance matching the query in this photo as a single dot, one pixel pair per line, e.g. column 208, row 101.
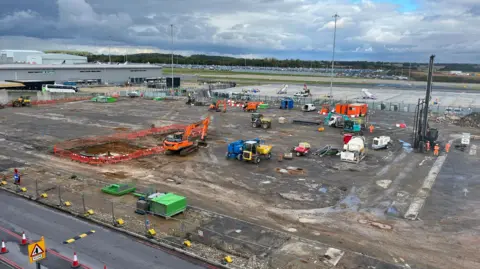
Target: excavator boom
column 184, row 145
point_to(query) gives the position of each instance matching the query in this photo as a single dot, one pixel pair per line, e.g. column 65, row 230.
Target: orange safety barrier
column 61, row 149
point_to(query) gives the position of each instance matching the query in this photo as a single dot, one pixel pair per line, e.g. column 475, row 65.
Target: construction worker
column 447, row 147
column 371, row 128
column 436, row 149
column 427, row 145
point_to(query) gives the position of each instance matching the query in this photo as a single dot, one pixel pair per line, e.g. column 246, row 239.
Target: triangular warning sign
column 36, row 250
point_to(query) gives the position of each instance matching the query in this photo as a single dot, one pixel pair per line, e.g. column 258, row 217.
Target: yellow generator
column 254, row 151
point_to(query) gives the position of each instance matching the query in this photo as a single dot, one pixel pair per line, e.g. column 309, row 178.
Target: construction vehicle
column 22, row 101
column 422, row 132
column 349, row 125
column 183, row 143
column 302, row 149
column 216, row 106
column 353, row 126
column 235, row 150
column 251, row 106
column 335, row 120
column 308, row 108
column 354, row 150
column 325, row 109
column 255, row 150
column 258, row 120
column 304, row 93
column 381, row 142
column 134, row 94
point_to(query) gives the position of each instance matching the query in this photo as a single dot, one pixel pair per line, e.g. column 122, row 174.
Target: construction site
column 259, row 184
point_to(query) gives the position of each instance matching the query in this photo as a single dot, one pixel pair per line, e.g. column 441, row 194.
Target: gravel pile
column 471, row 120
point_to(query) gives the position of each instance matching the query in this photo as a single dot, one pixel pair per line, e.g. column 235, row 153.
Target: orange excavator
column 184, row 143
column 216, row 107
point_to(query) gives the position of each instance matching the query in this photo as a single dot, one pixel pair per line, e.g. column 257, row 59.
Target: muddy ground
column 358, row 208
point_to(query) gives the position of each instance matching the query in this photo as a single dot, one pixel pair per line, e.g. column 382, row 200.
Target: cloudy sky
column 380, row 30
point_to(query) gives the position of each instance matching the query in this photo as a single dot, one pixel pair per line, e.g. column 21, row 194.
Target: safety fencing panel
column 64, row 149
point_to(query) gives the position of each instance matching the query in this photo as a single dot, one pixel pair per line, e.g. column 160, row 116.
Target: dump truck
column 254, row 151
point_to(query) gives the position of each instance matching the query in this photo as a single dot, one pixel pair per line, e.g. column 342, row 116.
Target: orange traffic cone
column 75, row 263
column 24, row 239
column 4, row 248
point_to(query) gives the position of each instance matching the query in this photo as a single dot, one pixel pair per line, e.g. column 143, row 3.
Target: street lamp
column 333, row 54
column 171, row 32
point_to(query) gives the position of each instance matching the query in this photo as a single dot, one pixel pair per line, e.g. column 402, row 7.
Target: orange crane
column 183, row 142
column 216, row 107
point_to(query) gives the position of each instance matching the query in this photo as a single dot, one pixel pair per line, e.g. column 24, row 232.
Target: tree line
column 201, row 59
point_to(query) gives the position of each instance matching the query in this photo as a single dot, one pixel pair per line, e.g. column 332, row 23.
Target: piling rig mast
column 421, row 130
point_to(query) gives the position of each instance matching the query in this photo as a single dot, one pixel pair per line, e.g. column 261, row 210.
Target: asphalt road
column 104, row 247
column 454, row 198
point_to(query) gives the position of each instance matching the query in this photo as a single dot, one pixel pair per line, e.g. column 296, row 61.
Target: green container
column 168, row 205
column 103, row 99
column 118, row 189
column 263, row 106
column 159, row 98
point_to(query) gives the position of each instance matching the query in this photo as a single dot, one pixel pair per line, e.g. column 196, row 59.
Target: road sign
column 37, row 251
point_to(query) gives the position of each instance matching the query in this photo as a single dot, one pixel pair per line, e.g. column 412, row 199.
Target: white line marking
column 422, row 194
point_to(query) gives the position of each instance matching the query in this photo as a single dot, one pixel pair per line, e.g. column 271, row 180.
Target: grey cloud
column 275, row 27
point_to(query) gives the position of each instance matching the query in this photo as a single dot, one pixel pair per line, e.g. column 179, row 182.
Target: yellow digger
column 22, row 101
column 254, row 151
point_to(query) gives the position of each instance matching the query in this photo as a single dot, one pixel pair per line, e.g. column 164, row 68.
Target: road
column 104, row 247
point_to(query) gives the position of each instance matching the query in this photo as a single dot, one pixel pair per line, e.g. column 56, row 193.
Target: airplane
column 283, row 90
column 368, row 95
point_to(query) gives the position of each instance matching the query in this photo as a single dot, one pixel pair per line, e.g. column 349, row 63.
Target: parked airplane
column 283, row 90
column 368, row 95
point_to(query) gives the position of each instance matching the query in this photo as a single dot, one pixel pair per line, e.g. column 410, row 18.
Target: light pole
column 333, row 54
column 109, row 55
column 171, row 32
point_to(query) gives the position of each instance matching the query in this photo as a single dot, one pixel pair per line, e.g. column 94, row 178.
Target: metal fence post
column 147, row 222
column 36, row 188
column 83, row 202
column 113, row 214
column 59, row 195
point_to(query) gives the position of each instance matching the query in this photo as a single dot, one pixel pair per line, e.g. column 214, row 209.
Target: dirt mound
column 470, row 120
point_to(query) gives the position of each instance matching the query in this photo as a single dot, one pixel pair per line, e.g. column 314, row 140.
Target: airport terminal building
column 81, row 73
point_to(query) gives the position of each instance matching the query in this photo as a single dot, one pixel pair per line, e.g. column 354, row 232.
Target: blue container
column 286, row 103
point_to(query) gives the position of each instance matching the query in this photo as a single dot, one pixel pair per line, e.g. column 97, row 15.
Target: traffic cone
column 4, row 248
column 24, row 239
column 75, row 263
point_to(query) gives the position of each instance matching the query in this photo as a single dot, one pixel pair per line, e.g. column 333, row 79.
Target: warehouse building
column 54, row 58
column 17, row 56
column 81, row 73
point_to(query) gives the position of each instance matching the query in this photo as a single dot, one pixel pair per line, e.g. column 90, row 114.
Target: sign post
column 37, row 251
